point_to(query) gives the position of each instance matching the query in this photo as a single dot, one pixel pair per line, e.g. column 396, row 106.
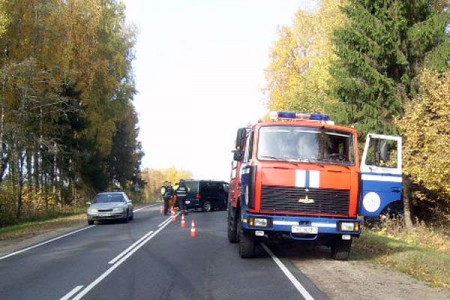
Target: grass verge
column 45, row 224
column 422, row 253
column 35, row 227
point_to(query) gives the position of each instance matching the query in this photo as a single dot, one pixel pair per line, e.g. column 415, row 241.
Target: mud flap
column 381, row 174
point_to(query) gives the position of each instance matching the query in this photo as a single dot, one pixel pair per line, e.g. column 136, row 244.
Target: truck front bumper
column 302, row 228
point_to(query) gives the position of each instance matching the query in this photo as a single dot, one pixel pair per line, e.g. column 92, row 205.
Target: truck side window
column 382, row 153
column 336, row 148
column 249, row 149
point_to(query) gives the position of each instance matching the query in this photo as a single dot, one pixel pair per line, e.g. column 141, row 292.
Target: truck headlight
column 259, row 222
column 349, row 226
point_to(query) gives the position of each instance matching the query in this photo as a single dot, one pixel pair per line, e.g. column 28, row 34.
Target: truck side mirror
column 238, row 155
column 240, row 138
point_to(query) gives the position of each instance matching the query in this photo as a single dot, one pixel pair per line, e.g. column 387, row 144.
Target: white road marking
column 129, row 248
column 143, row 208
column 138, row 241
column 46, row 242
column 59, row 237
column 168, row 220
column 71, row 293
column 288, row 274
column 117, row 264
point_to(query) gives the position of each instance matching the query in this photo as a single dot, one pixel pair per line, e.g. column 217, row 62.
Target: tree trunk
column 4, row 155
column 407, row 200
column 37, row 167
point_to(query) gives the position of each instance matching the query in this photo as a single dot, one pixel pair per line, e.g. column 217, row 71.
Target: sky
column 199, row 72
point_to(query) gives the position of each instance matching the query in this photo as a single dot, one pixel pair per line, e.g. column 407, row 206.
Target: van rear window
column 212, row 186
column 192, row 185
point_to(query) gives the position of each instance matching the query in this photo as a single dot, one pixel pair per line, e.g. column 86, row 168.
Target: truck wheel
column 232, row 227
column 246, row 242
column 206, row 206
column 90, row 222
column 340, row 250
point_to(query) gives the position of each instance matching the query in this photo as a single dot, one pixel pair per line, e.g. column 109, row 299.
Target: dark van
column 207, row 195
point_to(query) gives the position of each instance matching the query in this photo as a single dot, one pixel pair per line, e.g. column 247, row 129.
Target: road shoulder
column 357, row 279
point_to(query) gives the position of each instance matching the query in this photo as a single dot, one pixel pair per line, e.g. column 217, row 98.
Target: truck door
column 381, row 174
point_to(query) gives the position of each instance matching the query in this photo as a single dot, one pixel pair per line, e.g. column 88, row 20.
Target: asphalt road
column 152, row 257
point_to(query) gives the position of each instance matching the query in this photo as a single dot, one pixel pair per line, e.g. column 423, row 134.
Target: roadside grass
column 422, row 253
column 34, row 227
column 46, row 223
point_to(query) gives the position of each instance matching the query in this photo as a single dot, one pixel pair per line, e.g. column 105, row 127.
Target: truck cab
column 297, row 176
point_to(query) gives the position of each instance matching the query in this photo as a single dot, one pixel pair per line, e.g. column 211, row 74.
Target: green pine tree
column 380, row 53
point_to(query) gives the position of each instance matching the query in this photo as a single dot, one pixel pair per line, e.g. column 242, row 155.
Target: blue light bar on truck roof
column 278, row 115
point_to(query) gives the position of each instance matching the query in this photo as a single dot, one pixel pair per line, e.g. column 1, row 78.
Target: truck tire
column 340, row 250
column 246, row 242
column 232, row 226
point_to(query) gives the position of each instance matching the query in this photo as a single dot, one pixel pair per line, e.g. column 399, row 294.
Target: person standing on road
column 181, row 191
column 167, row 194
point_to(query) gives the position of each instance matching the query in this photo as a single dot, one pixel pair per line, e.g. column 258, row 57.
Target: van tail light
column 199, row 196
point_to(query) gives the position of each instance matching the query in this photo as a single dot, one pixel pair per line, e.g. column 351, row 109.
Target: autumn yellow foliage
column 156, row 177
column 298, row 75
column 426, row 127
column 3, row 18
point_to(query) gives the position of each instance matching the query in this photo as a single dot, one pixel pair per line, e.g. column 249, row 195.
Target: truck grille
column 326, row 201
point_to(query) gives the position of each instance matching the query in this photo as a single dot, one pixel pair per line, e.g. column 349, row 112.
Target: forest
column 380, row 66
column 68, row 127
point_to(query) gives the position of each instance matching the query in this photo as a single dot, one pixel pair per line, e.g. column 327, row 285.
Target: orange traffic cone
column 174, row 216
column 161, row 209
column 183, row 222
column 193, row 229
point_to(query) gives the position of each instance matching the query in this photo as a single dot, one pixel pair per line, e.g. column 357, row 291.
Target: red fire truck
column 299, row 176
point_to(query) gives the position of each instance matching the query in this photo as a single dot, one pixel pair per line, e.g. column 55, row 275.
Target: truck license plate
column 188, row 202
column 104, row 215
column 304, row 229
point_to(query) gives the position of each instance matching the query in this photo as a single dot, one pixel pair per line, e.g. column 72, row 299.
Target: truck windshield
column 305, row 144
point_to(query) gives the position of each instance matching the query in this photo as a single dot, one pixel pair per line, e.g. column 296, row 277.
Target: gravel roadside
column 357, row 278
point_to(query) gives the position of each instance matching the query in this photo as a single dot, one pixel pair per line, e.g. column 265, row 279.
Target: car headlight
column 92, row 211
column 117, row 210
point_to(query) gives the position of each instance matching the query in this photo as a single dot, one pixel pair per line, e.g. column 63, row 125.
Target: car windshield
column 305, row 144
column 106, row 198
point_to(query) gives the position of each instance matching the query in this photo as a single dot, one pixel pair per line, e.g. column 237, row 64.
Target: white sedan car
column 110, row 206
